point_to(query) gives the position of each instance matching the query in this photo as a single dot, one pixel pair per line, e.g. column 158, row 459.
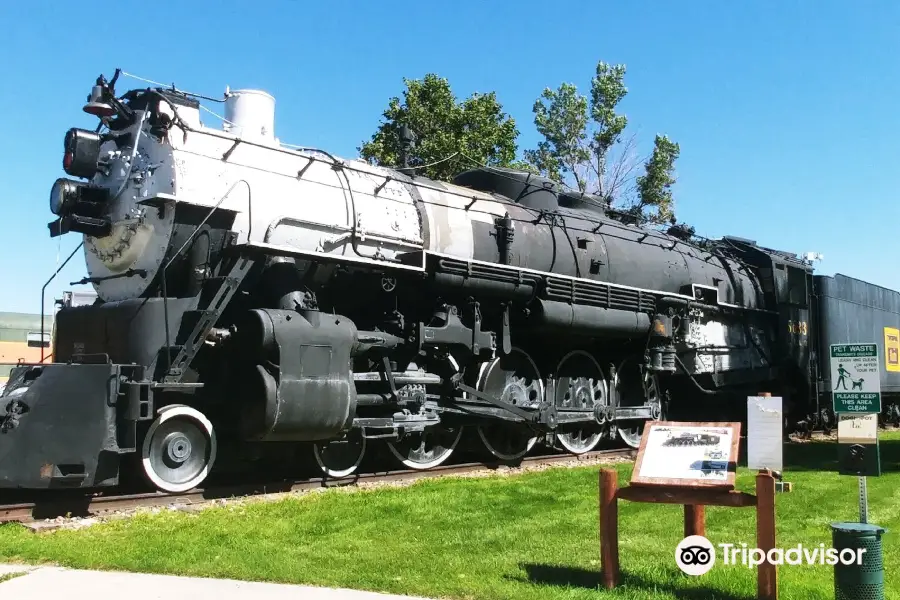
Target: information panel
column 687, row 454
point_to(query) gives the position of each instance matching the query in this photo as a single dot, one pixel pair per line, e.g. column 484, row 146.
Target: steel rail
column 91, row 506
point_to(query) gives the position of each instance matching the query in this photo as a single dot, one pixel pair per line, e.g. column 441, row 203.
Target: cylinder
column 858, row 580
column 250, row 115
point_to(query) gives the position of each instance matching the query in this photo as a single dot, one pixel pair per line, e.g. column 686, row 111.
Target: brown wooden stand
column 694, row 501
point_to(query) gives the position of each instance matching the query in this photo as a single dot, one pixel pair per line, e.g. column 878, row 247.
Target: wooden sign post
column 692, row 464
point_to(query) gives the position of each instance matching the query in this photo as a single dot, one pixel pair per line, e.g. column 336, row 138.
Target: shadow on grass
column 589, row 579
column 823, row 456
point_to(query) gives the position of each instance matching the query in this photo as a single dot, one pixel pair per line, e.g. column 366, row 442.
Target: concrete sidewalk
column 40, row 583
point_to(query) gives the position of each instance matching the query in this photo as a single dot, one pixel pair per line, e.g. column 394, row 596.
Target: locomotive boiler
column 253, row 293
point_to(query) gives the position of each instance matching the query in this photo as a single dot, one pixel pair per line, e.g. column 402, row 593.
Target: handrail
column 43, row 289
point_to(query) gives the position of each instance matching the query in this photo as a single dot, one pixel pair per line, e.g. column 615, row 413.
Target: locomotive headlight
column 67, row 196
column 63, row 196
column 81, row 153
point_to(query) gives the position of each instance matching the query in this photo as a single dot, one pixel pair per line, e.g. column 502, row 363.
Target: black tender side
column 851, row 311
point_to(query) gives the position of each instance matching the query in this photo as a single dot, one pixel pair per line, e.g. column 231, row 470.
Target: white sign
column 855, row 378
column 685, row 452
column 765, row 430
column 857, row 429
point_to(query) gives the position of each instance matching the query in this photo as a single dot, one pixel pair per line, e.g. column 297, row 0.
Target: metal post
column 863, row 501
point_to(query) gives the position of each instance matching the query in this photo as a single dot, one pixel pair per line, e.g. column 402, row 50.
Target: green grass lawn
column 524, row 536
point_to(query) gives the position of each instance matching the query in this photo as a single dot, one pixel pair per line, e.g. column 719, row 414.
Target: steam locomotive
column 253, row 294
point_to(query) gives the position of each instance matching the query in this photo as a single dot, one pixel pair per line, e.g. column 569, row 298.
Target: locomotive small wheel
column 517, row 380
column 341, row 458
column 580, row 385
column 179, row 449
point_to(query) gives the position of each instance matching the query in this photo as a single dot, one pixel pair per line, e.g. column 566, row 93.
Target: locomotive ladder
column 206, row 318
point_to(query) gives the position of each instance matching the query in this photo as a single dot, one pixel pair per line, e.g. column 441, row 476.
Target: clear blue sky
column 787, row 112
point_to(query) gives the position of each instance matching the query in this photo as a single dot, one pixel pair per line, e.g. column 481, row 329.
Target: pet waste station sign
column 855, row 378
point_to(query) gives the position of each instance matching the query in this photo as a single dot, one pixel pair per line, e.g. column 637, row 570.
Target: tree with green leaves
column 583, row 146
column 451, row 136
column 655, row 186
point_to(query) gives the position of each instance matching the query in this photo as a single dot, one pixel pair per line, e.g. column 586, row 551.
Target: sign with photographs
column 688, row 455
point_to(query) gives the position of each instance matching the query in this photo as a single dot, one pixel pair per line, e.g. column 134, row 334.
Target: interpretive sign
column 687, row 454
column 855, row 378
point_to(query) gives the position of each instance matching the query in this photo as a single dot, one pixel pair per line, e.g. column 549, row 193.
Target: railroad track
column 98, row 505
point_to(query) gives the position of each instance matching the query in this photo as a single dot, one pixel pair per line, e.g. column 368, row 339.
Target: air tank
column 250, row 115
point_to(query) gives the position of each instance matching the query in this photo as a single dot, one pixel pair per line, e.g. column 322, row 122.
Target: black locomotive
column 511, row 306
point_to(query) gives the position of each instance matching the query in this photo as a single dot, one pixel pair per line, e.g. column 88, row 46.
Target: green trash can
column 863, row 581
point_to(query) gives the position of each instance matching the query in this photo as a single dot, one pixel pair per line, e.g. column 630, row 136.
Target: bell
column 99, row 109
column 96, row 106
